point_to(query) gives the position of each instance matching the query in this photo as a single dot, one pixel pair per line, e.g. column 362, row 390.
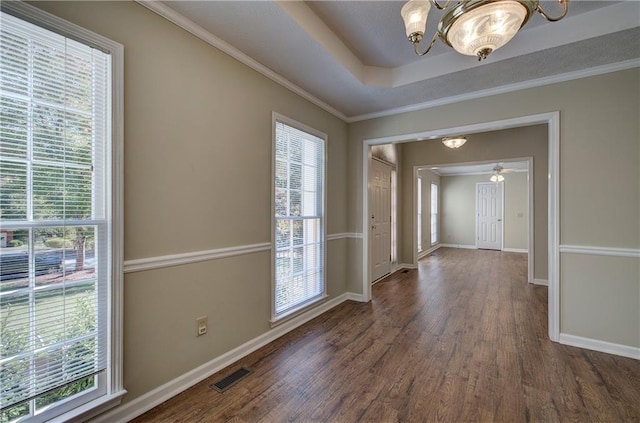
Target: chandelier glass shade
column 454, row 142
column 483, row 30
column 472, row 27
column 415, row 15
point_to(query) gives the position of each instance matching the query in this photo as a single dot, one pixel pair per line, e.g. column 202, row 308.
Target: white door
column 380, row 220
column 489, row 223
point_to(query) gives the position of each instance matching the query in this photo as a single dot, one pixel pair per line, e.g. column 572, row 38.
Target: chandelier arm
column 565, row 8
column 433, row 40
column 438, row 6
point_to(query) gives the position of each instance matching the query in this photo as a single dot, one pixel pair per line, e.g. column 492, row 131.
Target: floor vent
column 226, row 383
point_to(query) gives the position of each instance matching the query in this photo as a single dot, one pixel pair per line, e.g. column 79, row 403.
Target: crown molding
column 196, row 30
column 533, row 83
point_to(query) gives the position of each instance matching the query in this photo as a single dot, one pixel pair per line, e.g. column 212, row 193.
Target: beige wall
column 198, row 177
column 599, row 133
column 458, row 209
column 516, row 210
column 459, row 206
column 529, row 141
column 427, row 178
column 600, row 298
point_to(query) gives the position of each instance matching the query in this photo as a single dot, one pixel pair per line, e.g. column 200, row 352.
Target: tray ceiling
column 353, row 58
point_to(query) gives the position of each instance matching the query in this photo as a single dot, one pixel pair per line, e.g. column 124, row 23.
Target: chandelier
column 473, row 27
column 497, row 177
column 454, row 142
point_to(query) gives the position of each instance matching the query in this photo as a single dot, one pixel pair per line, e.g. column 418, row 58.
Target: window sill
column 293, row 313
column 93, row 408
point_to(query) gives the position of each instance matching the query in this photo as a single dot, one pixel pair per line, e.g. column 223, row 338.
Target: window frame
column 109, row 389
column 279, row 318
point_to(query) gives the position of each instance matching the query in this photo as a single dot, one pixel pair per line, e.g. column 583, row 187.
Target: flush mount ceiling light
column 473, row 27
column 497, row 177
column 454, row 142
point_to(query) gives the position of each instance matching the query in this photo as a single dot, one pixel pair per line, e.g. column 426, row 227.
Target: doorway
column 552, row 122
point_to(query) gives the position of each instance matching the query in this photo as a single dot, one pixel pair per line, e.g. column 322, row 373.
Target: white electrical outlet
column 201, row 325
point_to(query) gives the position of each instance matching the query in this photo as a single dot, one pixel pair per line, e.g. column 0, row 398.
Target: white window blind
column 54, row 197
column 299, row 217
column 434, row 214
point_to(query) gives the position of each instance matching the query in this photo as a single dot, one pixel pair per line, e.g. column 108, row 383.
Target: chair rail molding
column 600, row 251
column 150, row 263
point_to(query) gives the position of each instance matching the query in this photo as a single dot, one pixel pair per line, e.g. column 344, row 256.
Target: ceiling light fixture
column 473, row 27
column 454, row 142
column 497, row 177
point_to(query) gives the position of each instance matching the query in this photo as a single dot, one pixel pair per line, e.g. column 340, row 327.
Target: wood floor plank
column 461, row 339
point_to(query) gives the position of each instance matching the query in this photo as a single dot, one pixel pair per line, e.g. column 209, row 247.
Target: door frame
column 552, row 120
column 501, row 184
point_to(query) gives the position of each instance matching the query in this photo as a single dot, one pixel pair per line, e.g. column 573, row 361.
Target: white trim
column 516, row 250
column 145, row 402
column 466, row 247
column 406, row 266
column 552, row 120
column 600, row 251
column 366, row 163
column 553, row 225
column 150, row 263
column 201, row 33
column 355, row 297
column 300, row 309
column 342, row 235
column 429, row 251
column 541, row 282
column 563, row 77
column 530, row 221
column 601, row 346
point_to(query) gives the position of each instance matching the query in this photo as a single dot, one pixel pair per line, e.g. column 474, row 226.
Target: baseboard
column 406, row 266
column 146, row 402
column 542, row 282
column 601, row 346
column 516, row 250
column 429, row 251
column 355, row 297
column 466, row 247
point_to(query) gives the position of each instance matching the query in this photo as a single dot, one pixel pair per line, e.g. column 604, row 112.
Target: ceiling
column 479, row 169
column 353, row 58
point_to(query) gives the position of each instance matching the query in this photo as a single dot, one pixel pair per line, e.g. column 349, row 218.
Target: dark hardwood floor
column 464, row 338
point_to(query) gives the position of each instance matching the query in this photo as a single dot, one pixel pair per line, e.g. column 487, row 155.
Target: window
column 57, row 283
column 434, row 214
column 299, row 233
